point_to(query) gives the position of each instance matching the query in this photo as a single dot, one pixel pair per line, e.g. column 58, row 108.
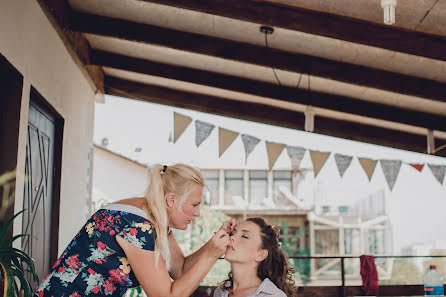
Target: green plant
column 14, row 263
column 290, row 244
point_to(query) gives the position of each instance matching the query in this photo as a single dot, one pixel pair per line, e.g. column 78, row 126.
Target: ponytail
column 156, row 204
column 179, row 179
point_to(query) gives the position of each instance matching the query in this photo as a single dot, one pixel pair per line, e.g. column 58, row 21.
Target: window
column 233, row 185
column 352, row 241
column 375, row 241
column 327, row 242
column 258, row 187
column 282, row 179
column 211, row 178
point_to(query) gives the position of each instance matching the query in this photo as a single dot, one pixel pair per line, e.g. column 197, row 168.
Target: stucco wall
column 30, row 43
column 116, row 177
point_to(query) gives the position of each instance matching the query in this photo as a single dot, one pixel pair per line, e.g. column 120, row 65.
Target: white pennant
column 438, row 171
column 202, row 131
column 391, row 169
column 296, row 155
column 249, row 143
column 343, row 162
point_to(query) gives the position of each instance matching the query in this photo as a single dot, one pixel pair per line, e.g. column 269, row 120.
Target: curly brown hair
column 275, row 266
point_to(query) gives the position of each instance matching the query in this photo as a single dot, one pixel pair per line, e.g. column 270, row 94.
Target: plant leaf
column 9, row 243
column 6, row 226
column 10, row 285
column 24, row 283
column 13, row 252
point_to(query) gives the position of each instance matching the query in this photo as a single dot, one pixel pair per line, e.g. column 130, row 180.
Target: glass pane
column 258, row 187
column 233, row 186
column 351, row 241
column 282, row 179
column 327, row 242
column 211, row 178
column 375, row 241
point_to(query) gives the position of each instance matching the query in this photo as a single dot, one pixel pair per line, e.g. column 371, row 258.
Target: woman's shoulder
column 268, row 287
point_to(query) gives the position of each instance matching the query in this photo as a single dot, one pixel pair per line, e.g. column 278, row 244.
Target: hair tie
column 164, row 170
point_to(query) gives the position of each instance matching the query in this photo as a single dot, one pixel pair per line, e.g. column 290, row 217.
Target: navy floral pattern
column 94, row 264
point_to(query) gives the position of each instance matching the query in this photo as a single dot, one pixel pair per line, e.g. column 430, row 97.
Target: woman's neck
column 244, row 276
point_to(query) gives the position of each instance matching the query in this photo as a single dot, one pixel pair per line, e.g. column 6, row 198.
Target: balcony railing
column 343, row 290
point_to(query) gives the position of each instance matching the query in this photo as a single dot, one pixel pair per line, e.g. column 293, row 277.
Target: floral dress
column 94, row 264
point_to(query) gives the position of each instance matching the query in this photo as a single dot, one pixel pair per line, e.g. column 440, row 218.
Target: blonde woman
column 129, row 243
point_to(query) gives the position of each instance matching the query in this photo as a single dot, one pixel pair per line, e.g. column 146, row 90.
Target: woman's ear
column 170, row 199
column 261, row 255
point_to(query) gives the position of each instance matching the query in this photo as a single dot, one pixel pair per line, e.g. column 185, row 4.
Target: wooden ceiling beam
column 264, row 89
column 246, row 53
column 266, row 114
column 320, row 23
column 58, row 12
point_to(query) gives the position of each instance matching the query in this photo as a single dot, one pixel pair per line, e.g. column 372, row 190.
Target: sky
column 415, row 205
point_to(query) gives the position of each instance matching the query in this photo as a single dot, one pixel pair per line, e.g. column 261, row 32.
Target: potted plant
column 14, row 263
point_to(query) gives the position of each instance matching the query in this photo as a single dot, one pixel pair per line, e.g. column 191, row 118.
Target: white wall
column 116, row 178
column 33, row 47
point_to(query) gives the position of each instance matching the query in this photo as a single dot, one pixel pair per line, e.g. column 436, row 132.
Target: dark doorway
column 11, row 86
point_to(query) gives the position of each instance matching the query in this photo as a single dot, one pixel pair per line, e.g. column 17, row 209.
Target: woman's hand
column 217, row 245
column 229, row 225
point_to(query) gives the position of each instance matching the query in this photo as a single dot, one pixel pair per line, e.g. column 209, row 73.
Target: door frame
column 38, row 100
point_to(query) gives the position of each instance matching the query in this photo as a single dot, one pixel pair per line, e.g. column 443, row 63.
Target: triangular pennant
column 180, row 123
column 273, row 150
column 318, row 159
column 250, row 143
column 296, row 155
column 438, row 171
column 343, row 162
column 202, row 131
column 391, row 169
column 417, row 166
column 226, row 138
column 368, row 165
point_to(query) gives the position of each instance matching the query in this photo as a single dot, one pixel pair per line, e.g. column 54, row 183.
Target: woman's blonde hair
column 179, row 179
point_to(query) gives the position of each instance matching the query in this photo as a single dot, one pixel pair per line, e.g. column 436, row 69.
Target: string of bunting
column 390, row 168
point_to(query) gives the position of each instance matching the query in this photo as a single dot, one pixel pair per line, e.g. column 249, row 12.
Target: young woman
column 259, row 267
column 129, row 243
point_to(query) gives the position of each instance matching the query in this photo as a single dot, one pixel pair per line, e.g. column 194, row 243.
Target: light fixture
column 389, row 11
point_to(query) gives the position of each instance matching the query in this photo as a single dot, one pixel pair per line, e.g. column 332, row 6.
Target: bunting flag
column 438, row 171
column 273, row 150
column 343, row 162
column 250, row 142
column 202, row 131
column 368, row 165
column 318, row 159
column 296, row 155
column 180, row 123
column 417, row 166
column 225, row 139
column 391, row 169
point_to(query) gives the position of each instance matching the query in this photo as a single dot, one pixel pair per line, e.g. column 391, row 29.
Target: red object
column 432, row 267
column 418, row 167
column 369, row 275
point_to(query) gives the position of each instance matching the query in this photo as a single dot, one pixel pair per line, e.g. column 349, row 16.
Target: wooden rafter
column 266, row 114
column 58, row 13
column 288, row 94
column 242, row 52
column 320, row 23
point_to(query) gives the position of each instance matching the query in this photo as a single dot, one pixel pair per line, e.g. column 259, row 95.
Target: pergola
column 361, row 79
column 364, row 80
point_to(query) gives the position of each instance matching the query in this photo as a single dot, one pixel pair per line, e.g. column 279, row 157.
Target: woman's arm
column 156, row 281
column 181, row 264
